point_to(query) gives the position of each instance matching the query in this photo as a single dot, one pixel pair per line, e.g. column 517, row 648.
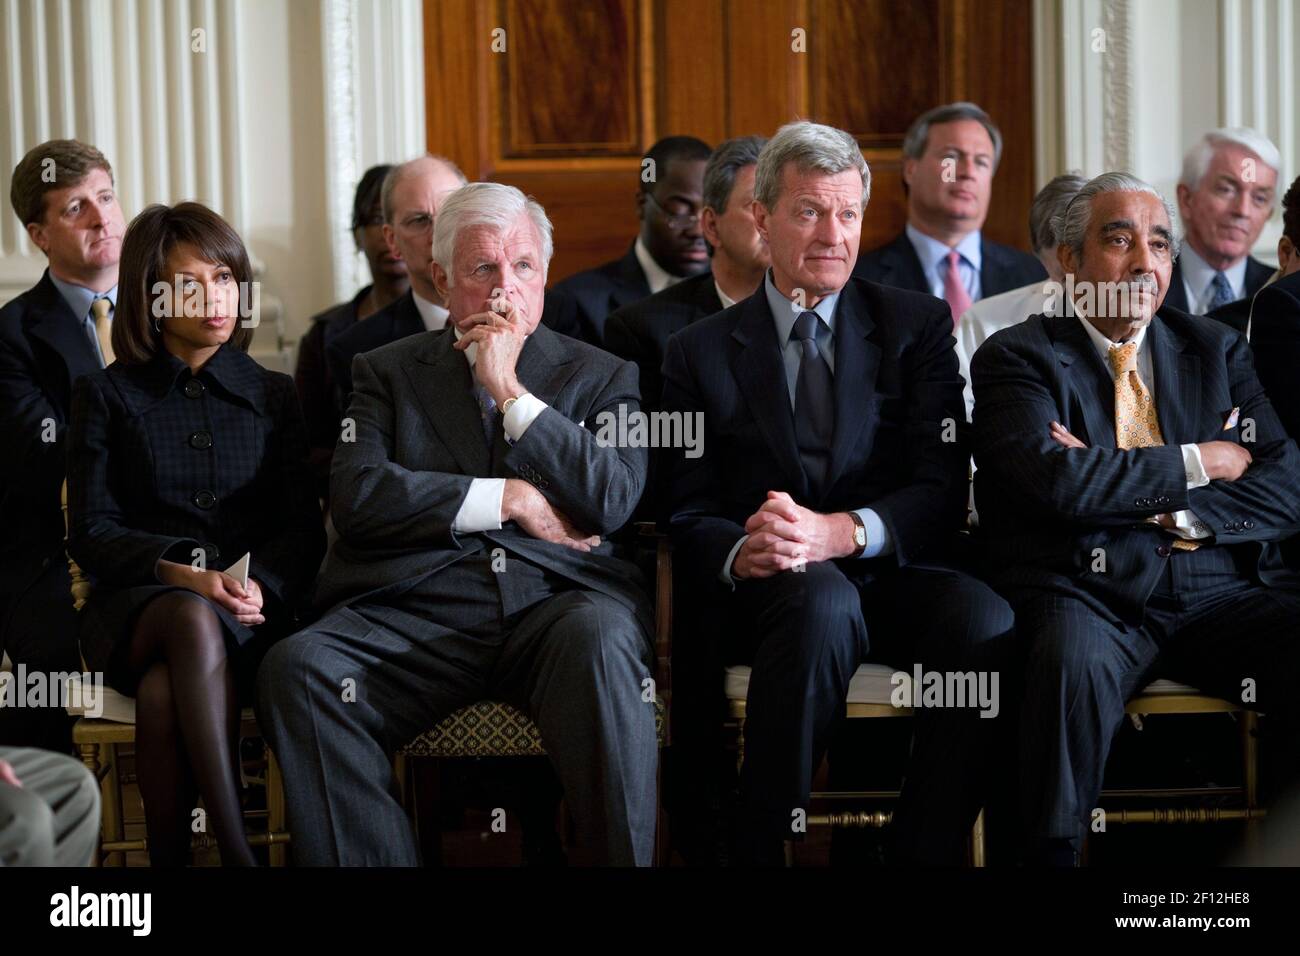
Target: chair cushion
column 1166, row 688
column 490, row 728
column 870, row 684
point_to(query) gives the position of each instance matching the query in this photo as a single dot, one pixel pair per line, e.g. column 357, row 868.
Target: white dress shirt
column 1186, row 524
column 481, row 509
column 656, row 275
column 432, row 315
column 1198, row 279
column 999, row 312
column 726, row 300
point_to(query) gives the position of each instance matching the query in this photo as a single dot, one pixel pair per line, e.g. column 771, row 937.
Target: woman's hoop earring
column 157, row 326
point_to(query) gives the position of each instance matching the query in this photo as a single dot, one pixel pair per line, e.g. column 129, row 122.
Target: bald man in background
column 410, row 198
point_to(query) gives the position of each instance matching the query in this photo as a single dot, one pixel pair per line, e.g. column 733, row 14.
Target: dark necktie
column 814, row 404
column 487, row 412
column 1222, row 292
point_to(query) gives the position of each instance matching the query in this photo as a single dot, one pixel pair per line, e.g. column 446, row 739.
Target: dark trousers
column 804, row 634
column 339, row 698
column 1206, row 625
column 38, row 629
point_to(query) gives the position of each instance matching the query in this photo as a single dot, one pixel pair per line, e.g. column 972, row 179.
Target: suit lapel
column 441, row 380
column 545, row 365
column 1176, row 294
column 857, row 362
column 53, row 323
column 1089, row 380
column 904, row 267
column 993, row 270
column 760, row 373
column 1178, row 385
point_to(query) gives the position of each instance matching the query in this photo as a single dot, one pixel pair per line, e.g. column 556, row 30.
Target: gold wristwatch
column 859, row 534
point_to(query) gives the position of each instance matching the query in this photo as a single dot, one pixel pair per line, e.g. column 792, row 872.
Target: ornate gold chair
column 870, row 690
column 98, row 740
column 491, row 728
column 1167, row 697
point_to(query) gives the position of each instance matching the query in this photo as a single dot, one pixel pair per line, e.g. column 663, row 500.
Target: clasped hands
column 784, row 535
column 245, row 603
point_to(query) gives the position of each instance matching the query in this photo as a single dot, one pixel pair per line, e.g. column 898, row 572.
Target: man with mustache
column 1225, row 195
column 670, row 246
column 50, row 336
column 1134, row 483
column 949, row 157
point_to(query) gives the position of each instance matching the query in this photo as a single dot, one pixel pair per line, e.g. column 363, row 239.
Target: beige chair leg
column 90, row 757
column 111, row 792
column 977, row 857
column 277, row 817
column 1250, row 776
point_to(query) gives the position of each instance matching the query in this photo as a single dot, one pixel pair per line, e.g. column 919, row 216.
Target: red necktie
column 954, row 290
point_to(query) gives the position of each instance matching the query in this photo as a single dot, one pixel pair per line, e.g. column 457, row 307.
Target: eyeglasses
column 674, row 219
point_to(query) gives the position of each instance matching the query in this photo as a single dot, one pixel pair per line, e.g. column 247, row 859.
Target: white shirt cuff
column 481, row 509
column 1193, row 467
column 725, row 576
column 522, row 413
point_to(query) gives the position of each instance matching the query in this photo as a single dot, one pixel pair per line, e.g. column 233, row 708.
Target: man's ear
column 1066, row 257
column 1184, row 201
column 760, row 220
column 37, row 233
column 440, row 280
column 1285, row 250
column 709, row 226
column 390, row 240
column 909, row 169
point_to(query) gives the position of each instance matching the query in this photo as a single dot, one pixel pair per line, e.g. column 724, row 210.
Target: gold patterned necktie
column 103, row 330
column 1136, row 424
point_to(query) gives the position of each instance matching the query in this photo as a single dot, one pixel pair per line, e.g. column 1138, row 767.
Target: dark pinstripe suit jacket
column 396, row 490
column 896, row 381
column 1045, row 508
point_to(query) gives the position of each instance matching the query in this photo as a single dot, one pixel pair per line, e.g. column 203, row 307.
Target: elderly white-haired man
column 1134, row 483
column 1226, row 193
column 472, row 511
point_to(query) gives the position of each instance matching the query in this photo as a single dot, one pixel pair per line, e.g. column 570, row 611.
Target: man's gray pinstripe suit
column 424, row 620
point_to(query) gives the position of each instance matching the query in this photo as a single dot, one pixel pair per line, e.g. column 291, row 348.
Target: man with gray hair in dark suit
column 471, row 509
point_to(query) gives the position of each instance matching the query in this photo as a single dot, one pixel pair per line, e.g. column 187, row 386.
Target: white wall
column 256, row 126
column 1172, row 70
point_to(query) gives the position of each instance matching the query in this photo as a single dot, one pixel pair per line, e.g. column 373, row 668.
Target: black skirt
column 107, row 620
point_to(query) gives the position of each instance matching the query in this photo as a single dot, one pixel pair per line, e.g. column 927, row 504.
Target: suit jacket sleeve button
column 1248, row 524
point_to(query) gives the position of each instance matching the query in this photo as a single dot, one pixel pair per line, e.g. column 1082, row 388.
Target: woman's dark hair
column 149, row 241
column 366, row 201
column 1291, row 213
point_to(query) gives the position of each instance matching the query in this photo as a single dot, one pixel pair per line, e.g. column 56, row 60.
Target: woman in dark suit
column 185, row 454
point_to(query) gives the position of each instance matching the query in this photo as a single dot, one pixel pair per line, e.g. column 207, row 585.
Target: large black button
column 204, row 499
column 193, row 388
column 212, row 553
column 1164, row 550
column 201, row 440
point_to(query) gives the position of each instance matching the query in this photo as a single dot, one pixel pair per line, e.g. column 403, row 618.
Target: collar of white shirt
column 432, row 315
column 1199, row 274
column 932, row 254
column 1104, row 345
column 655, row 275
column 726, row 300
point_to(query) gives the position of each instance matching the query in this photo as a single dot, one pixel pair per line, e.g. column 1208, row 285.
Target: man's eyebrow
column 1163, row 232
column 1115, row 225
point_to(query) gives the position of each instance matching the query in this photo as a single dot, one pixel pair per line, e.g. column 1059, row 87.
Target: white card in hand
column 239, row 570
